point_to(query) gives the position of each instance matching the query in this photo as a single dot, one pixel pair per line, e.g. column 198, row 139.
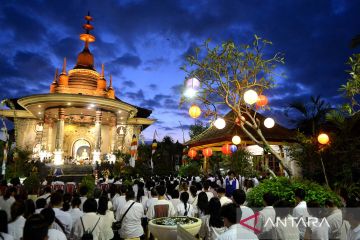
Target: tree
column 312, row 114
column 196, row 129
column 351, row 88
column 228, row 71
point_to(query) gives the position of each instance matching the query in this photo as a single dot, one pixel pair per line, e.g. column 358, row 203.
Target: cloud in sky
column 143, row 43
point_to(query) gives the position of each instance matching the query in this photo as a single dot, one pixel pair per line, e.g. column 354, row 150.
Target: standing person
column 185, row 208
column 212, row 225
column 120, row 202
column 284, row 228
column 140, row 197
column 317, row 229
column 151, row 200
column 231, row 183
column 107, row 218
column 35, row 228
column 353, row 216
column 83, row 194
column 131, row 215
column 193, row 195
column 234, row 230
column 265, row 215
column 7, row 200
column 89, row 222
column 206, row 189
column 202, row 206
column 75, row 211
column 46, row 195
column 161, row 207
column 49, row 216
column 300, row 212
column 64, row 218
column 239, row 198
column 29, row 208
column 221, row 195
column 16, row 225
column 4, row 227
column 175, row 198
column 335, row 219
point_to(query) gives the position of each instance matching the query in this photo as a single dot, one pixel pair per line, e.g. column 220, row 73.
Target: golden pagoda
column 81, row 119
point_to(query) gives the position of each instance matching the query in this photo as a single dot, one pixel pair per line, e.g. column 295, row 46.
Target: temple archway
column 81, row 149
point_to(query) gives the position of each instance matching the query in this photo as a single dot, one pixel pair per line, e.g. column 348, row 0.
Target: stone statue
column 84, row 155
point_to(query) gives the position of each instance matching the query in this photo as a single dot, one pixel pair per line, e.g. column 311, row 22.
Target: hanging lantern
column 233, row 148
column 262, row 101
column 193, row 83
column 207, row 152
column 323, row 138
column 250, row 97
column 194, row 111
column 236, row 140
column 190, row 93
column 269, row 123
column 219, row 123
column 225, row 149
column 192, row 153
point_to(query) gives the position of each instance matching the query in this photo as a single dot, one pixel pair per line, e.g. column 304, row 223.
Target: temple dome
column 85, row 59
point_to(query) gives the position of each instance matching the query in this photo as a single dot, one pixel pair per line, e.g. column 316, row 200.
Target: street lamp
column 323, row 139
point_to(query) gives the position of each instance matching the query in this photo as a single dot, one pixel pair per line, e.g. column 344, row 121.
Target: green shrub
column 191, row 169
column 32, row 184
column 283, row 188
column 89, row 182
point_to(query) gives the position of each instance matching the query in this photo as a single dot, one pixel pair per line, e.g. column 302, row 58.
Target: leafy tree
column 226, row 72
column 240, row 162
column 196, row 129
column 312, row 114
column 191, row 169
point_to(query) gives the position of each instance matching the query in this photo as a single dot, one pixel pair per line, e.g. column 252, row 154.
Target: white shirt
column 75, row 214
column 175, row 202
column 236, row 232
column 266, row 213
column 46, row 196
column 83, row 199
column 151, row 211
column 354, row 234
column 6, row 236
column 300, row 211
column 119, row 204
column 54, row 234
column 286, row 230
column 89, row 220
column 335, row 221
column 65, row 219
column 131, row 224
column 225, row 200
column 16, row 228
column 150, row 202
column 208, row 232
column 106, row 225
column 319, row 230
column 245, row 213
column 209, row 194
column 114, row 199
column 180, row 208
column 6, row 205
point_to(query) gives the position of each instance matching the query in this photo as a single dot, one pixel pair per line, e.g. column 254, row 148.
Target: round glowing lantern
column 192, row 153
column 323, row 138
column 262, row 101
column 190, row 93
column 269, row 122
column 193, row 83
column 194, row 111
column 207, row 152
column 250, row 97
column 219, row 123
column 225, row 149
column 233, row 148
column 236, row 140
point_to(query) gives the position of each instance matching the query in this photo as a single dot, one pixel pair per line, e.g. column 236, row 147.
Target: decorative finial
column 87, row 37
column 64, row 67
column 110, row 81
column 102, row 71
column 56, row 76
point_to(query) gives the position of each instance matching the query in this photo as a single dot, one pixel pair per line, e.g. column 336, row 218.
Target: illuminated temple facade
column 80, row 119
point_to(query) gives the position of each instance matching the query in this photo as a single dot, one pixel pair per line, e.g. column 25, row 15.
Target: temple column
column 58, row 154
column 120, row 133
column 97, row 150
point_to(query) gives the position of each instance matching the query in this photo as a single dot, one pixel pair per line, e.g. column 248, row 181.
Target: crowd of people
column 123, row 210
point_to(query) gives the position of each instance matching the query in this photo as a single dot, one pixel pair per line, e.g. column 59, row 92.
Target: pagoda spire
column 102, row 71
column 110, row 81
column 64, row 67
column 56, row 75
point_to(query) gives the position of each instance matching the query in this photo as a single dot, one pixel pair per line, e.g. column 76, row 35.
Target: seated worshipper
column 107, row 218
column 231, row 183
column 64, row 218
column 130, row 216
column 234, row 230
column 35, row 228
column 266, row 214
column 317, row 227
column 161, row 207
column 16, row 225
column 221, row 195
column 239, row 198
column 212, row 224
column 185, row 208
column 90, row 222
column 49, row 216
column 284, row 228
column 4, row 227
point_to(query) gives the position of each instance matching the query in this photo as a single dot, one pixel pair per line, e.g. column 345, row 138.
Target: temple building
column 80, row 119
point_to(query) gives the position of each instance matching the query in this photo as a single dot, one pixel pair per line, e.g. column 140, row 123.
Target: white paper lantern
column 193, row 83
column 269, row 122
column 236, row 140
column 219, row 123
column 190, row 92
column 250, row 97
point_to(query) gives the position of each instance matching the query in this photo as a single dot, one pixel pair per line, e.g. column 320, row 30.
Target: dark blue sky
column 143, row 44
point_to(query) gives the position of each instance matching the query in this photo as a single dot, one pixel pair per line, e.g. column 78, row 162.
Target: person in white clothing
column 140, row 197
column 4, row 227
column 131, row 214
column 152, row 199
column 75, row 211
column 265, row 215
column 335, row 219
column 175, row 198
column 239, row 198
column 284, row 228
column 119, row 202
column 7, row 200
column 40, row 205
column 234, row 230
column 46, row 195
column 212, row 225
column 206, row 187
column 300, row 212
column 185, row 208
column 318, row 227
column 107, row 218
column 353, row 216
column 35, row 228
column 161, row 207
column 49, row 216
column 89, row 222
column 202, row 206
column 17, row 223
column 83, row 195
column 64, row 218
column 221, row 195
